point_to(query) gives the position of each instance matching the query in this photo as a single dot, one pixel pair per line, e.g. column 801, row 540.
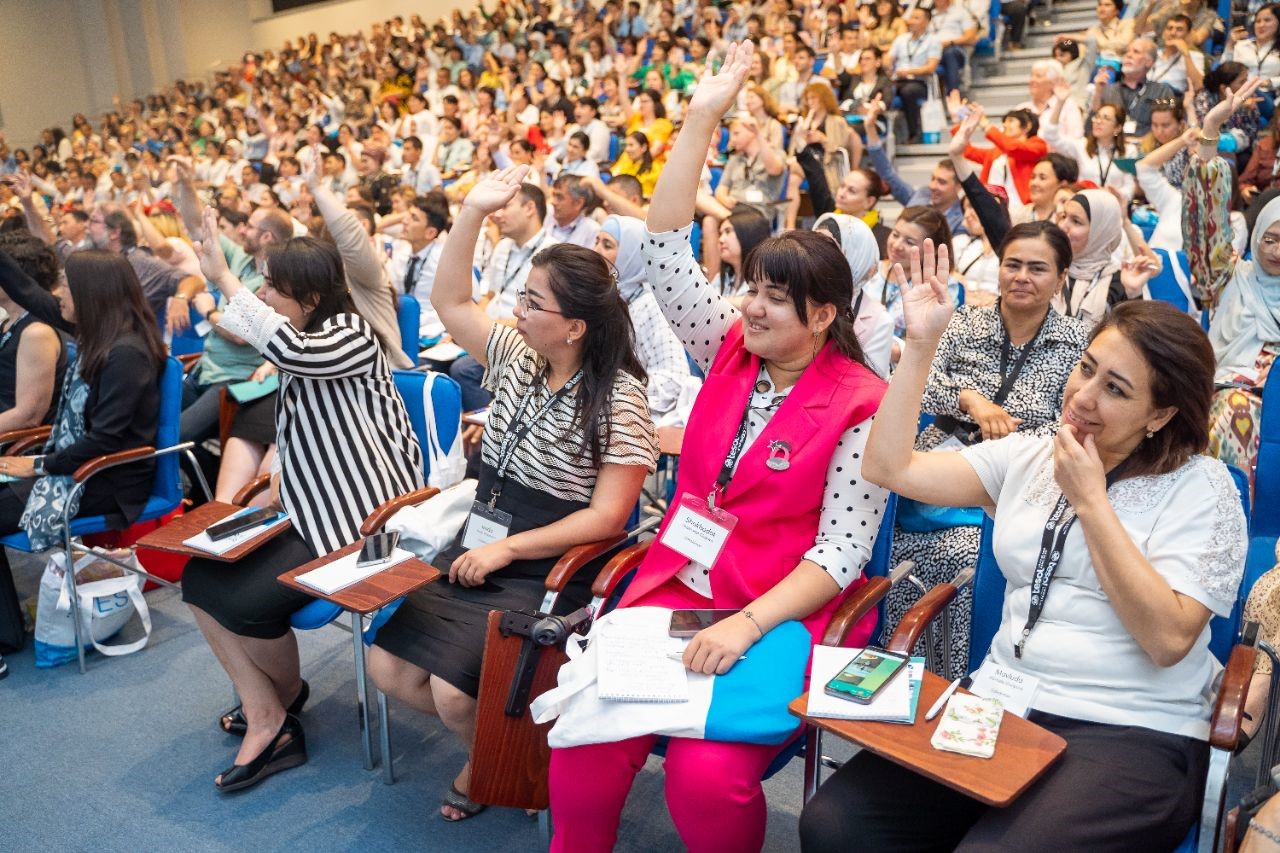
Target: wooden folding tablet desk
column 172, row 536
column 1023, row 750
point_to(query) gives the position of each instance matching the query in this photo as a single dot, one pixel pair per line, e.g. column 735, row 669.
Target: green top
column 224, row 361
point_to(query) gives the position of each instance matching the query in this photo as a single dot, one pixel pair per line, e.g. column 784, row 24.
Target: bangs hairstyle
column 1048, row 232
column 109, row 305
column 813, row 270
column 309, row 270
column 585, row 288
column 1181, row 361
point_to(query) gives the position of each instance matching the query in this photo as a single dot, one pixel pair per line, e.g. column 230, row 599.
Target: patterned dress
column 968, row 357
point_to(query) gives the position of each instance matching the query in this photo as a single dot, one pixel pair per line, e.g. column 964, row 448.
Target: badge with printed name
column 754, row 196
column 485, row 525
column 698, row 532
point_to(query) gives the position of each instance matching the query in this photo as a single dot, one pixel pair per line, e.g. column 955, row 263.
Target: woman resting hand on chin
column 1150, row 539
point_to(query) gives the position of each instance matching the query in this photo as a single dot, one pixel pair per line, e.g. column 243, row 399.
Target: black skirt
column 256, row 421
column 441, row 627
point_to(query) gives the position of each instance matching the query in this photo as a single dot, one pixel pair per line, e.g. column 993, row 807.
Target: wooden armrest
column 189, row 361
column 617, row 568
column 379, row 516
column 917, row 619
column 93, row 466
column 19, row 448
column 853, row 608
column 251, row 489
column 1228, row 709
column 577, row 557
column 25, row 437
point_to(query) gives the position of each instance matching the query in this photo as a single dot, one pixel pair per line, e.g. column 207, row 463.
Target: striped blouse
column 344, row 443
column 548, row 459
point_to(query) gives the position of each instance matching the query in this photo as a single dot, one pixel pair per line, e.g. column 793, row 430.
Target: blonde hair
column 169, row 226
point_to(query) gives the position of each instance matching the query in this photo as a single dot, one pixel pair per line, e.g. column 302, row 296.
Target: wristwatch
column 37, row 466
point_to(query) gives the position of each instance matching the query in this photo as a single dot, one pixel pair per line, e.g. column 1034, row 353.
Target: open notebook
column 896, row 703
column 633, row 664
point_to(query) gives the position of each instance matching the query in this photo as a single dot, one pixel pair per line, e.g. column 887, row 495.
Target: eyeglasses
column 523, row 303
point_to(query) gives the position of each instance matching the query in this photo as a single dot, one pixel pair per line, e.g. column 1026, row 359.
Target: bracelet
column 747, row 613
column 1204, row 140
column 1254, row 826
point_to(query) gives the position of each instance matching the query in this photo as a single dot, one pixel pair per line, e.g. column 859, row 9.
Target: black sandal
column 276, row 757
column 455, row 799
column 234, row 723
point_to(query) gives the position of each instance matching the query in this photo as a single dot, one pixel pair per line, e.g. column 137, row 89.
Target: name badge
column 698, row 532
column 754, row 196
column 485, row 526
column 1130, row 127
column 1013, row 689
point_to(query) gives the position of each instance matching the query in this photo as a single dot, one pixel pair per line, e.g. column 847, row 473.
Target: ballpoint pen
column 963, row 681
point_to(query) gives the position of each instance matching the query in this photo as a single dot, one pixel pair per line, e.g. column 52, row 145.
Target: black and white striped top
column 547, row 458
column 344, row 443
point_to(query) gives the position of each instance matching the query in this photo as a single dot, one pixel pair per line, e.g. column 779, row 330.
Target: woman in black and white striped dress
column 344, row 446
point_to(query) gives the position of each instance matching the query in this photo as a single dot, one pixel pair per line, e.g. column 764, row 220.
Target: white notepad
column 202, row 542
column 343, row 572
column 893, row 704
column 633, row 667
column 447, row 351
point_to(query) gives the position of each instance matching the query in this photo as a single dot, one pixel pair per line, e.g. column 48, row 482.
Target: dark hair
column 627, row 184
column 365, row 212
column 453, row 120
column 1064, row 168
column 934, row 224
column 1029, row 121
column 1181, row 361
column 1068, row 46
column 583, row 285
column 1180, row 18
column 1173, row 106
column 79, row 214
column 752, row 228
column 1091, row 143
column 109, row 305
column 304, row 268
column 582, row 139
column 646, row 161
column 278, row 224
column 588, row 101
column 1222, row 76
column 32, row 256
column 435, row 207
column 876, row 186
column 114, row 217
column 1040, row 230
column 813, row 269
column 413, row 141
column 659, row 108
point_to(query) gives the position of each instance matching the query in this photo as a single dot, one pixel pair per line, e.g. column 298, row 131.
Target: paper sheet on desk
column 447, row 351
column 202, row 542
column 343, row 572
column 895, row 704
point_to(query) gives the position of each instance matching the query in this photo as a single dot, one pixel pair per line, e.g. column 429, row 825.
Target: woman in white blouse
column 1144, row 542
column 1260, row 54
column 1097, row 154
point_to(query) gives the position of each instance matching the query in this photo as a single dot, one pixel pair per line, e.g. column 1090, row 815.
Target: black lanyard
column 1264, row 57
column 1070, row 290
column 1051, row 542
column 735, row 450
column 13, row 327
column 508, row 276
column 1010, row 375
column 513, row 438
column 1104, row 172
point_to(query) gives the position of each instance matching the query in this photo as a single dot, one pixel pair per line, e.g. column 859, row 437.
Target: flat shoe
column 276, row 757
column 233, row 722
column 455, row 799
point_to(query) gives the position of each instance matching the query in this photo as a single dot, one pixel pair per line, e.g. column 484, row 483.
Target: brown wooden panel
column 170, row 537
column 371, row 593
column 510, row 758
column 1023, row 750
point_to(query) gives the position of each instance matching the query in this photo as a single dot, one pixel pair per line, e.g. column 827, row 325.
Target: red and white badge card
column 697, row 531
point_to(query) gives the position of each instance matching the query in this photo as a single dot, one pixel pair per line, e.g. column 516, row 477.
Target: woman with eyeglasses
column 1111, row 34
column 566, row 449
column 1259, row 54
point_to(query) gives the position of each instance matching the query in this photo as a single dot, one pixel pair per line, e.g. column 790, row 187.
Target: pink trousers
column 713, row 788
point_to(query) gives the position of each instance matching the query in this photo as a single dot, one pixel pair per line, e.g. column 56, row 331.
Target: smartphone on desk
column 686, row 623
column 867, row 674
column 378, row 548
column 241, row 523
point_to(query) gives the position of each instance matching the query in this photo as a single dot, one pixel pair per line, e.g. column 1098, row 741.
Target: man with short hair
column 426, row 226
column 571, row 200
column 913, row 59
column 575, row 161
column 587, row 115
column 755, row 174
column 943, row 192
column 111, row 228
column 1178, row 66
column 1133, row 91
column 791, row 94
column 416, row 170
column 1045, row 74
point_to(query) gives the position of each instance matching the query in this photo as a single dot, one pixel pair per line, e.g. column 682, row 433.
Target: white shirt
column 1172, row 71
column 423, row 177
column 598, row 132
column 580, row 232
column 507, row 271
column 1188, row 525
column 908, row 51
column 1167, row 201
column 402, row 255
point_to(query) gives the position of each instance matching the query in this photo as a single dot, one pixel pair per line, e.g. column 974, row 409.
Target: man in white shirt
column 575, row 160
column 1045, row 74
column 1178, row 66
column 957, row 31
column 914, row 58
column 570, row 196
column 790, row 94
column 587, row 114
column 418, row 121
column 416, row 170
column 426, row 226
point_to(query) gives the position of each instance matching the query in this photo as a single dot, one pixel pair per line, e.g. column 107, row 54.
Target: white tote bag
column 431, row 526
column 445, row 467
column 106, row 606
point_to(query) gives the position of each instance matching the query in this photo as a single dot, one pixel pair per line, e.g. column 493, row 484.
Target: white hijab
column 872, row 325
column 1248, row 316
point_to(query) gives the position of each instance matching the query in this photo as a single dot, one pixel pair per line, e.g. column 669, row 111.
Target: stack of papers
column 896, row 703
column 202, row 542
column 344, row 572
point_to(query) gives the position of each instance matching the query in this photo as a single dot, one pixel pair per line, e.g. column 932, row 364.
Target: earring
column 569, row 341
column 1151, row 434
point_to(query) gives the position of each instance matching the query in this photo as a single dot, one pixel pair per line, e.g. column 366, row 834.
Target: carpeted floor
column 123, row 759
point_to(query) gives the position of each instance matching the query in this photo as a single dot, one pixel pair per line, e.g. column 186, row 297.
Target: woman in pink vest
column 775, row 440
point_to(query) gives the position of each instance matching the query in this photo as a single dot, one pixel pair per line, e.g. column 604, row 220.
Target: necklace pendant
column 779, row 456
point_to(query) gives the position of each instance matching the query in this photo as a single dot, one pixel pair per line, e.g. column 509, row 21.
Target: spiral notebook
column 633, row 667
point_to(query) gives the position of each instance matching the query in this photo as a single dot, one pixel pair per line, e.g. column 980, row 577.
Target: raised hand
column 716, row 93
column 212, row 262
column 310, row 166
column 965, row 132
column 493, row 192
column 1222, row 110
column 21, row 183
column 926, row 305
column 1136, row 272
column 183, row 171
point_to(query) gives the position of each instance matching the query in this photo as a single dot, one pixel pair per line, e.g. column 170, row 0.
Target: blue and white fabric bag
column 748, row 704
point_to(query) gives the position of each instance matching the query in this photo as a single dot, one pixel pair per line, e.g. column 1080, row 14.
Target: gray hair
column 1050, row 68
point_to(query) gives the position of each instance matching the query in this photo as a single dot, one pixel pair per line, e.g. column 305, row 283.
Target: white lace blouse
column 1188, row 524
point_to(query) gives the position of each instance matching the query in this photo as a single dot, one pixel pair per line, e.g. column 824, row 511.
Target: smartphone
column 240, row 523
column 686, row 623
column 867, row 674
column 377, row 548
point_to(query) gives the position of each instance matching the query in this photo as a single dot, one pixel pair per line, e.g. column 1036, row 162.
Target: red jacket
column 1022, row 155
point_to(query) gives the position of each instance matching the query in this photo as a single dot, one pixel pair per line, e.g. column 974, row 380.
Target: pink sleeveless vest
column 778, row 511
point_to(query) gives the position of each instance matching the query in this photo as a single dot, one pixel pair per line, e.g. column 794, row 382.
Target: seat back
column 168, row 483
column 408, row 316
column 188, row 341
column 1266, row 477
column 446, row 403
column 1165, row 286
